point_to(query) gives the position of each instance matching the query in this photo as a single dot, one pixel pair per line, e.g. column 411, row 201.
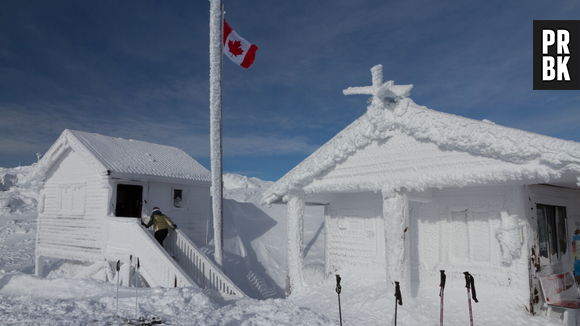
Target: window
column 178, row 201
column 72, row 199
column 471, row 239
column 552, row 231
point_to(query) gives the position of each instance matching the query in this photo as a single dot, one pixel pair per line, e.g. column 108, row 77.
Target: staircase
column 180, row 264
column 197, row 265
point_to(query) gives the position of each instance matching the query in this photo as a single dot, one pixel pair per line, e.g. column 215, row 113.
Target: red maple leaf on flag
column 235, row 48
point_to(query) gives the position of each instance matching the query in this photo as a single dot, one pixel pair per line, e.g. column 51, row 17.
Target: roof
column 471, row 151
column 131, row 157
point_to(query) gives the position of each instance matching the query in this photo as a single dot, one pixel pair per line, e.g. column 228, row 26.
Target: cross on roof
column 380, row 90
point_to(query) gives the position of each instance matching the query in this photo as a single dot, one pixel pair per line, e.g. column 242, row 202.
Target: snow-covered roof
column 487, row 152
column 117, row 156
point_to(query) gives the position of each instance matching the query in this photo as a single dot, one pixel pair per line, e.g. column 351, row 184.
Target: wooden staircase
column 180, row 264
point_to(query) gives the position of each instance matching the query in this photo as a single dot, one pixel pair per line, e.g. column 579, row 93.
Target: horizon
column 140, row 70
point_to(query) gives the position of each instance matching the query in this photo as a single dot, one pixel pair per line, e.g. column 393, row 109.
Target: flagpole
column 215, row 103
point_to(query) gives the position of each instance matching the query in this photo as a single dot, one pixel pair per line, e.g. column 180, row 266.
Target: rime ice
column 410, row 191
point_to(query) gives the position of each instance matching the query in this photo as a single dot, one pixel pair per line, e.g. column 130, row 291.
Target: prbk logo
column 556, row 54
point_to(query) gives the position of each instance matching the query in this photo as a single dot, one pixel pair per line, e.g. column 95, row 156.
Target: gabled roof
column 117, row 156
column 518, row 155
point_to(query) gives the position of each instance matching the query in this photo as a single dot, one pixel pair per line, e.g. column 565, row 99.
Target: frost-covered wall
column 191, row 214
column 355, row 232
column 74, row 199
column 455, row 194
column 490, row 231
column 457, row 231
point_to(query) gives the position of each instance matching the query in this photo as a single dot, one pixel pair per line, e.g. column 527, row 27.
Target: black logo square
column 556, row 54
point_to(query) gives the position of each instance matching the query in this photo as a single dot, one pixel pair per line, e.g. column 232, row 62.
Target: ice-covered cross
column 380, row 90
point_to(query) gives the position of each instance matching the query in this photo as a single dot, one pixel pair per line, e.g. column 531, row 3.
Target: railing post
column 194, row 263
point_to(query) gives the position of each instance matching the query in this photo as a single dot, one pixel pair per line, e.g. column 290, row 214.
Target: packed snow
column 255, row 259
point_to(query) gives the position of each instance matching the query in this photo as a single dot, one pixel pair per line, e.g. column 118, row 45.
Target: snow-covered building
column 97, row 189
column 414, row 191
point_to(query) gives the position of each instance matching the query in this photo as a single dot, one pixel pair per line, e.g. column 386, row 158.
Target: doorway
column 129, row 201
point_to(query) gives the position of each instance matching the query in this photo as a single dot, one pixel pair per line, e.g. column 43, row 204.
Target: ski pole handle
column 398, row 296
column 473, row 295
column 467, row 280
column 442, row 284
column 338, row 287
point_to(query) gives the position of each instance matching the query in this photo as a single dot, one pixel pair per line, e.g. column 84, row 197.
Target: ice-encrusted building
column 97, row 189
column 414, row 191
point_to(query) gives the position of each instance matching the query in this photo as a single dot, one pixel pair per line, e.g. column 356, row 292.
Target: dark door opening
column 129, row 201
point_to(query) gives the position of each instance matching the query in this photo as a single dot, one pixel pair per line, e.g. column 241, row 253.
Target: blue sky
column 140, row 70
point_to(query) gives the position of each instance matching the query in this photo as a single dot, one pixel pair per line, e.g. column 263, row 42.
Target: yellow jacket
column 160, row 220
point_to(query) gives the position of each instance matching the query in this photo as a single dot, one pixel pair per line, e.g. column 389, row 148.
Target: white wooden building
column 414, row 191
column 98, row 188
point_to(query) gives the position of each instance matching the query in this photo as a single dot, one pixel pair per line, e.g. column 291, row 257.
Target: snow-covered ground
column 255, row 259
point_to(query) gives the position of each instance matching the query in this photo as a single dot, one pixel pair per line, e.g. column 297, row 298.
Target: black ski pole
column 442, row 286
column 398, row 299
column 137, row 266
column 338, row 289
column 470, row 284
column 118, row 276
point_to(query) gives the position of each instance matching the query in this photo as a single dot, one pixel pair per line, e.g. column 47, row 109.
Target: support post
column 215, row 100
column 39, row 268
column 294, row 242
column 395, row 214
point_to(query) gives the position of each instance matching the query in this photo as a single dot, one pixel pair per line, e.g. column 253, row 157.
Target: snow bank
column 37, row 301
column 236, row 181
column 19, row 189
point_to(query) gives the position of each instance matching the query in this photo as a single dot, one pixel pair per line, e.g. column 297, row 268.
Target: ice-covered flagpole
column 215, row 103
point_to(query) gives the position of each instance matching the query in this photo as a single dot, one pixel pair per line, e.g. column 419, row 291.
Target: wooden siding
column 355, row 238
column 404, row 160
column 456, row 231
column 75, row 199
column 192, row 219
column 195, row 227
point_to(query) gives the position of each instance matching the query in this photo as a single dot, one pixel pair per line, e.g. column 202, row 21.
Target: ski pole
column 470, row 285
column 338, row 290
column 136, row 275
column 442, row 285
column 118, row 276
column 398, row 299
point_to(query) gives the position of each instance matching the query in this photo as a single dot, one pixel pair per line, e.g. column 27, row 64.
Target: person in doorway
column 161, row 222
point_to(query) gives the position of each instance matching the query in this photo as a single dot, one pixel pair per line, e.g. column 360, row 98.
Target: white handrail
column 127, row 239
column 197, row 265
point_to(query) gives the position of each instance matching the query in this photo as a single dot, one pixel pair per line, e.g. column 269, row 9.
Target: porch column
column 294, row 241
column 395, row 214
column 39, row 267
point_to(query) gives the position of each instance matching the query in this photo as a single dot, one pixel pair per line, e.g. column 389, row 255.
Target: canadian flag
column 240, row 51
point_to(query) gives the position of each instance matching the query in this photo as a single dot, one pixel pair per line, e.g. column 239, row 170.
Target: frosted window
column 479, row 236
column 552, row 231
column 459, row 239
column 470, row 236
column 178, row 201
column 72, row 199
